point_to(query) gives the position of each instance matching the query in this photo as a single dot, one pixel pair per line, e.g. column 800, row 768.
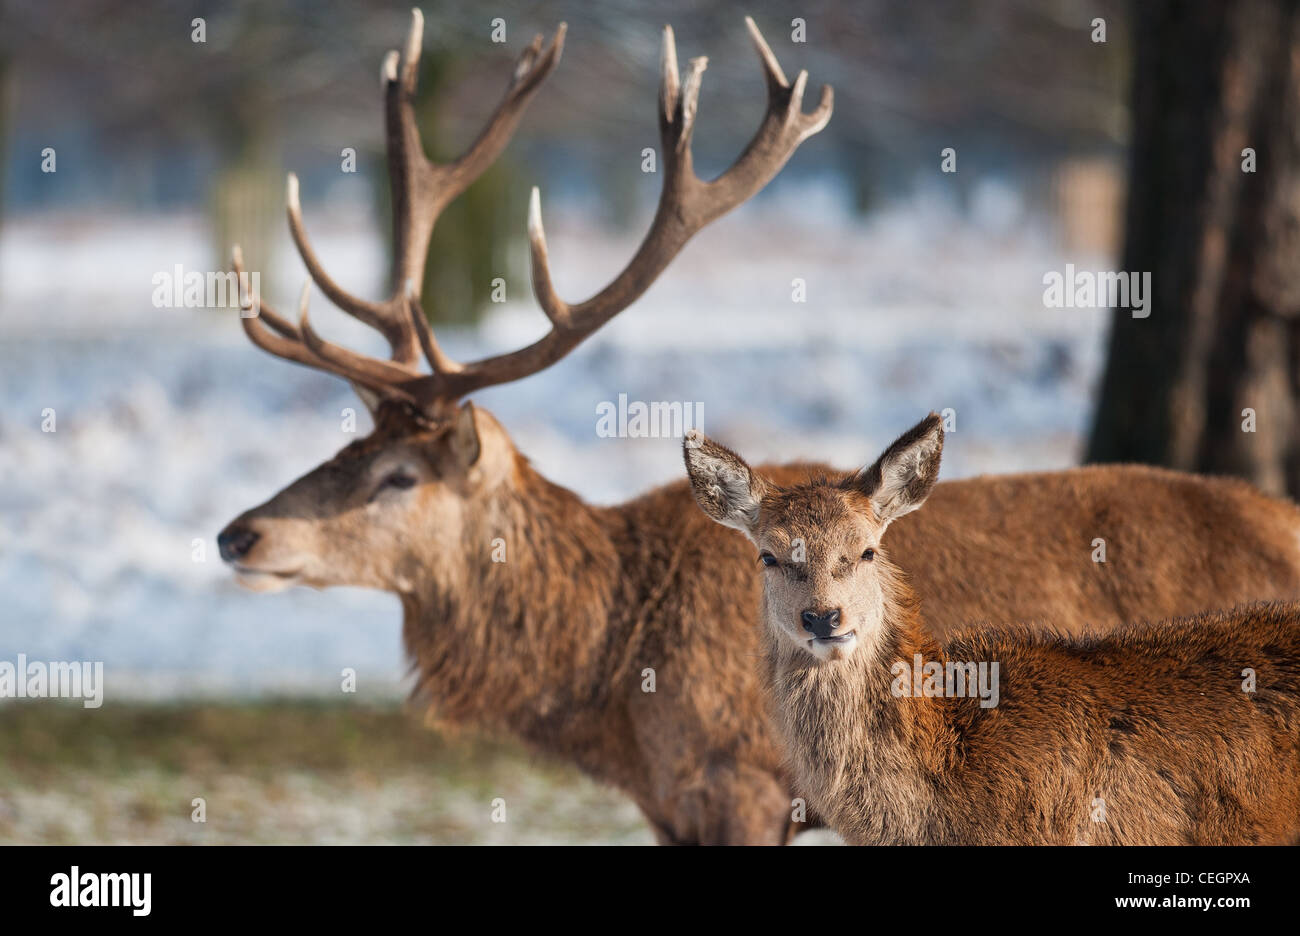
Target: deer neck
column 854, row 740
column 519, row 641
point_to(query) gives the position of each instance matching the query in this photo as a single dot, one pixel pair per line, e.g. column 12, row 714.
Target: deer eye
column 868, row 554
column 399, row 480
column 768, row 559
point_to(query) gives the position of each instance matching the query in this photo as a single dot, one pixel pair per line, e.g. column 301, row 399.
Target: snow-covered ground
column 169, row 423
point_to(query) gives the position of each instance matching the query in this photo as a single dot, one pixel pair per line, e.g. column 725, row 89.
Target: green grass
column 282, row 772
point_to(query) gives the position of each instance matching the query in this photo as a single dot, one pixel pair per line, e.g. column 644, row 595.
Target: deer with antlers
column 551, row 645
column 1184, row 733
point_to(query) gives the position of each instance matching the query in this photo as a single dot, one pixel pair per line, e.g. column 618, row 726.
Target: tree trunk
column 1218, row 354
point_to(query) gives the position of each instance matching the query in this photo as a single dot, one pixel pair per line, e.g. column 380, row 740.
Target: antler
column 686, row 204
column 421, row 190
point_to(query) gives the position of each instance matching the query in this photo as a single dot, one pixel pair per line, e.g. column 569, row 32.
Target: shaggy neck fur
column 523, row 646
column 1113, row 740
column 866, row 760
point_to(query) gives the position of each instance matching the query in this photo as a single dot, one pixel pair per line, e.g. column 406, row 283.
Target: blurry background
column 924, row 290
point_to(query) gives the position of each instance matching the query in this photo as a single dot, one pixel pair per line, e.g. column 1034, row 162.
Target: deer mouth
column 837, row 640
column 263, row 580
column 826, row 649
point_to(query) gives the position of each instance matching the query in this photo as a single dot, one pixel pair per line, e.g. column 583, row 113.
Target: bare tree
column 1208, row 381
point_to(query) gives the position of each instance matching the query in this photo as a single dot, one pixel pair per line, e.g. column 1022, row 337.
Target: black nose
column 820, row 624
column 235, row 541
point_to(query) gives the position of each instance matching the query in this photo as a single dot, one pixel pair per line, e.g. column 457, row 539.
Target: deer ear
column 368, row 397
column 724, row 486
column 465, row 443
column 902, row 478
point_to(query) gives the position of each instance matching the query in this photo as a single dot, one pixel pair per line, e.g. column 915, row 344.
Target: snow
column 169, row 423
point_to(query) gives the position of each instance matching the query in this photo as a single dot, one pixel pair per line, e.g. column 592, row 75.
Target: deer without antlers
column 1154, row 725
column 549, row 646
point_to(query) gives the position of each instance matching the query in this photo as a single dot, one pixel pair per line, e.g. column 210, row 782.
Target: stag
column 550, row 646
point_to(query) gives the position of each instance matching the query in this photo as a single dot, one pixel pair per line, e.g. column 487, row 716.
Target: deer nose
column 820, row 623
column 235, row 541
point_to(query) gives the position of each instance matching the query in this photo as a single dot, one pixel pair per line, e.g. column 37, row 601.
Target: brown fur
column 550, row 645
column 1147, row 727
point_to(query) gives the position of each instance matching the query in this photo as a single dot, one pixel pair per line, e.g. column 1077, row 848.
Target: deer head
column 826, row 575
column 393, row 508
column 386, row 512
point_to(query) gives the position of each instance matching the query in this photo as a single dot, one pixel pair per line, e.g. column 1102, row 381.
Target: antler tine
column 686, row 204
column 556, row 309
column 372, row 372
column 369, row 312
column 772, row 72
column 288, row 343
column 670, row 79
column 422, row 189
column 784, row 127
column 255, row 304
column 433, row 352
column 414, row 46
